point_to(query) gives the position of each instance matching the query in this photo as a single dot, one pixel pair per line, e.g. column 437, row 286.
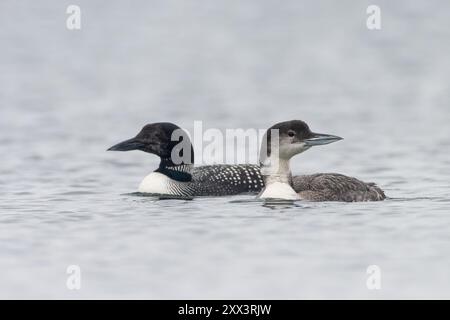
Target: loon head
column 291, row 138
column 164, row 139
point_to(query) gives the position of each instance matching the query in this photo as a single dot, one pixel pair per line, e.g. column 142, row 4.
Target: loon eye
column 291, row 133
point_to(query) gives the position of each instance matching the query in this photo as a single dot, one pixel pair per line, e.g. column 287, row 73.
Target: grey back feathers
column 335, row 187
column 220, row 180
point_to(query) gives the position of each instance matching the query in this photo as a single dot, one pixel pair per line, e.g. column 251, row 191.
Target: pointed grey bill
column 319, row 139
column 127, row 145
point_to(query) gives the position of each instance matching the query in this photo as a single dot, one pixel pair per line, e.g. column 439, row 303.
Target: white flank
column 155, row 182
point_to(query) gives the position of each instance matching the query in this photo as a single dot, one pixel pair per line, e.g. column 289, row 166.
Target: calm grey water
column 66, row 96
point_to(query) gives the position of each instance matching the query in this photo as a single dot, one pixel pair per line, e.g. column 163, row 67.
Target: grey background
column 66, row 96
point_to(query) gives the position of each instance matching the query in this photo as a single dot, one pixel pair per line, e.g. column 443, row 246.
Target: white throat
column 277, row 178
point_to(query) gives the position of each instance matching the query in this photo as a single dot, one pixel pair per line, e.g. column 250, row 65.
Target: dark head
column 164, row 139
column 294, row 137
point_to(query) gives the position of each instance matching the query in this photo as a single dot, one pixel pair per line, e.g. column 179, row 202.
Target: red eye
column 291, row 133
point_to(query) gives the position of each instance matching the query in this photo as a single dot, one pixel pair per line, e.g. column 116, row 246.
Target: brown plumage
column 335, row 187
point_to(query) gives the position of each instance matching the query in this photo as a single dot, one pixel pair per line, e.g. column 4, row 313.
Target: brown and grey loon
column 182, row 178
column 294, row 137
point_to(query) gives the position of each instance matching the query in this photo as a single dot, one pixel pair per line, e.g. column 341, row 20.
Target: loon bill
column 185, row 180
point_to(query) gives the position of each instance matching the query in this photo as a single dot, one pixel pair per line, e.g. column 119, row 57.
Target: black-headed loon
column 271, row 181
column 183, row 178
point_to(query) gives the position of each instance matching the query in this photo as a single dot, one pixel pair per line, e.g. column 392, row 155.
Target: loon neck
column 277, row 179
column 276, row 170
column 179, row 172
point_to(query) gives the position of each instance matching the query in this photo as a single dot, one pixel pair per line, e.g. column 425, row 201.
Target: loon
column 295, row 137
column 181, row 178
